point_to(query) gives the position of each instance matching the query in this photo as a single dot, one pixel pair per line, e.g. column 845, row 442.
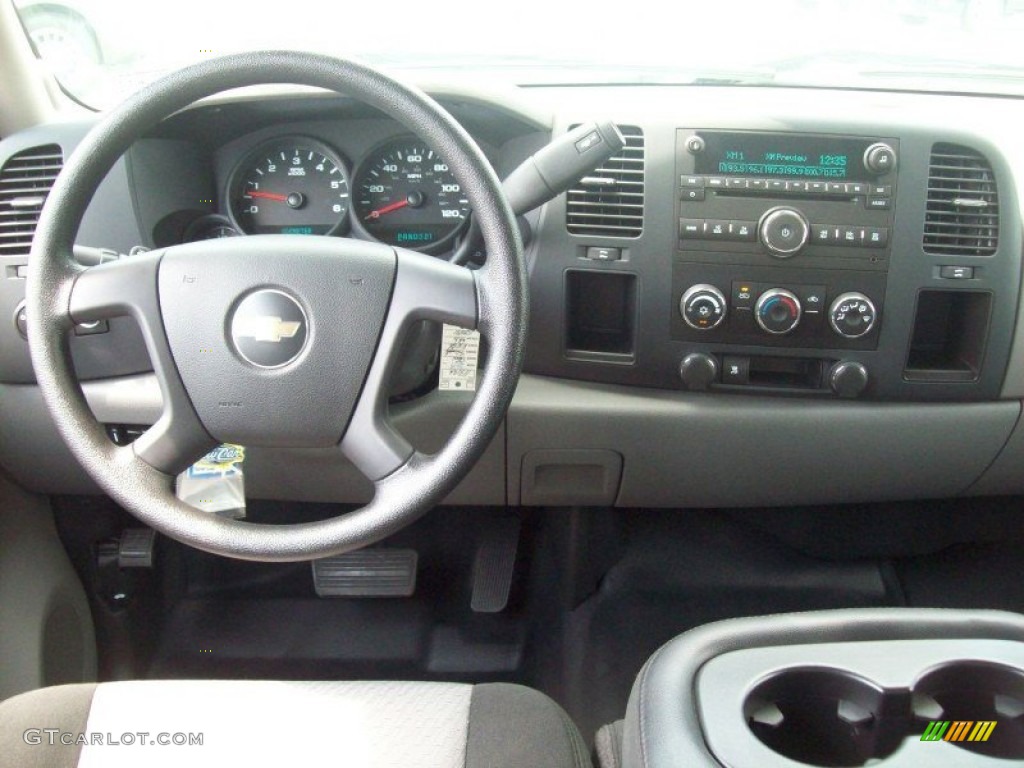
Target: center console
column 886, row 687
column 805, row 262
column 784, row 243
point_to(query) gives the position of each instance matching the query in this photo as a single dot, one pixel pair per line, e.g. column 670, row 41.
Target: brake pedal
column 495, row 565
column 135, row 548
column 367, row 573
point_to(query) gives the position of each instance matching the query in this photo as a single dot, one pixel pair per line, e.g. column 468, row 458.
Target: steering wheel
column 278, row 340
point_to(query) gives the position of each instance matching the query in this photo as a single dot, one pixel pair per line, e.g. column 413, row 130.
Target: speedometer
column 293, row 185
column 405, row 195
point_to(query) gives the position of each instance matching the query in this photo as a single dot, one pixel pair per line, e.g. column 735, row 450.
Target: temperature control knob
column 852, row 315
column 777, row 311
column 703, row 307
column 783, row 232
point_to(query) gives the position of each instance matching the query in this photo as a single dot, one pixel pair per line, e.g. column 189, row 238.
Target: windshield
column 102, row 50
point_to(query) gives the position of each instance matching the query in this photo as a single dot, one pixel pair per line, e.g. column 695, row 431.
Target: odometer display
column 405, row 195
column 292, row 185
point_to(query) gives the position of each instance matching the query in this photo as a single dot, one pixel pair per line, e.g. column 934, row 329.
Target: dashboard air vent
column 25, row 181
column 962, row 218
column 609, row 202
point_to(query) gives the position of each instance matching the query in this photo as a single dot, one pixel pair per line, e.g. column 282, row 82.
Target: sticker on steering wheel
column 460, row 352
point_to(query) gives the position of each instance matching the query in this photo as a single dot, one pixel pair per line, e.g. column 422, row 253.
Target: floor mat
column 674, row 577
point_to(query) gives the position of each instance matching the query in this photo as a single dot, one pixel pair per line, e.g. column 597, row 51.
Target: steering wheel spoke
column 128, row 287
column 425, row 289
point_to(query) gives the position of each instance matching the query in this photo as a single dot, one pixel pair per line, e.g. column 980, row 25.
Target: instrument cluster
column 400, row 193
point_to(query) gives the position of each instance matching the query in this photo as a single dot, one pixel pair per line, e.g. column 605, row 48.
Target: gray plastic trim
column 126, row 400
column 701, row 450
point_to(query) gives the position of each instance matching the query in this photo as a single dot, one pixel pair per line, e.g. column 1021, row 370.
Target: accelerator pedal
column 367, row 573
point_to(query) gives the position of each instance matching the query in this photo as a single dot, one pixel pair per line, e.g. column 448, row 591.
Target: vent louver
column 609, row 201
column 962, row 218
column 25, row 181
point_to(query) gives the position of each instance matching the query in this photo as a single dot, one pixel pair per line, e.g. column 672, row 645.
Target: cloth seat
column 270, row 723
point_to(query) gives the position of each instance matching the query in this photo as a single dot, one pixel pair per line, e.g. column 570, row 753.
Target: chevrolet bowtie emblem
column 269, row 328
column 265, row 328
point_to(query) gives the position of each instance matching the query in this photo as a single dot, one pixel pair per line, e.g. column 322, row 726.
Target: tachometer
column 292, row 185
column 405, row 195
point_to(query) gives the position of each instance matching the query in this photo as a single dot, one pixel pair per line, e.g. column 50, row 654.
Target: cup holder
column 973, row 692
column 827, row 717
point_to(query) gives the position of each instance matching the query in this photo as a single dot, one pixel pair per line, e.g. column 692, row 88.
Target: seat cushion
column 263, row 723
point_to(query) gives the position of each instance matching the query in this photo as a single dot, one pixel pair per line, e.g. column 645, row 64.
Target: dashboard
column 768, row 296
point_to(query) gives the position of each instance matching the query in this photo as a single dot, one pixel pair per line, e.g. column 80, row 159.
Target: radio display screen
column 772, row 155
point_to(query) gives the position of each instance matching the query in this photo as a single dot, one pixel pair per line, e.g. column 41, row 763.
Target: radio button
column 877, row 237
column 776, row 185
column 836, row 188
column 881, row 190
column 716, row 229
column 878, row 203
column 796, row 186
column 783, row 231
column 822, row 234
column 691, row 229
column 849, row 235
column 857, row 188
column 691, row 181
column 745, row 231
column 715, row 181
column 852, row 315
column 691, row 194
column 758, row 184
column 816, row 187
column 736, row 183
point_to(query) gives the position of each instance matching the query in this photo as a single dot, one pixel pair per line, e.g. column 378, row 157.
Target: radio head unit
column 784, row 239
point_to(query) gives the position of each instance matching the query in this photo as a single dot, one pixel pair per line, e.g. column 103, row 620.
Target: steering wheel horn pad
column 342, row 289
column 279, row 340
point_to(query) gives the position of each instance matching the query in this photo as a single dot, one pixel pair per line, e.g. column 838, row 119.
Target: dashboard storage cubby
column 600, row 316
column 950, row 329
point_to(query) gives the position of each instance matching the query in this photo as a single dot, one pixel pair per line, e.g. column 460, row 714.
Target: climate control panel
column 776, row 307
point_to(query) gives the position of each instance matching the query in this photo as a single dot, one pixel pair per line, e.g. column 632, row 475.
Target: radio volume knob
column 783, row 232
column 703, row 307
column 880, row 159
column 777, row 311
column 852, row 315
